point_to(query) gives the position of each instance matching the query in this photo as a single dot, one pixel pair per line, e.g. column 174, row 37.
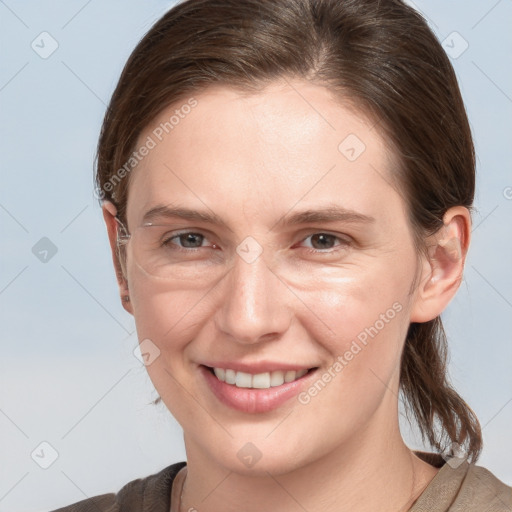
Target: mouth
column 255, row 392
column 263, row 380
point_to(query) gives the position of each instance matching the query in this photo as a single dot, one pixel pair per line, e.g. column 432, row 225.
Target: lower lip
column 252, row 400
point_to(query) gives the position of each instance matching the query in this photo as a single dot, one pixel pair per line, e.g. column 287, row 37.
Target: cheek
column 168, row 317
column 368, row 320
column 373, row 301
column 164, row 312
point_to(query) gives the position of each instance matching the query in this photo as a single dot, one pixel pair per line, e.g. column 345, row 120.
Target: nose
column 255, row 303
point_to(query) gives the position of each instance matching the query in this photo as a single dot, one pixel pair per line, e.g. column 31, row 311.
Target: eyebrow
column 331, row 213
column 174, row 212
column 326, row 214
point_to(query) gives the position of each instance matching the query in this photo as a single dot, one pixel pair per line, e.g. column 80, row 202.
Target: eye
column 185, row 240
column 321, row 242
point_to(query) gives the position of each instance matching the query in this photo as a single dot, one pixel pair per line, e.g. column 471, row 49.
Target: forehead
column 262, row 152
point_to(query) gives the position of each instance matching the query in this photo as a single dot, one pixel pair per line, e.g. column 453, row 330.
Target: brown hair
column 381, row 56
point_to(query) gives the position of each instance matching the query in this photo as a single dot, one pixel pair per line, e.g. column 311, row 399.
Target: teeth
column 220, row 373
column 260, row 380
column 277, row 378
column 289, row 376
column 230, row 376
column 243, row 380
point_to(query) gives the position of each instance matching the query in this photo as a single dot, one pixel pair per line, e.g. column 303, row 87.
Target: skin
column 254, row 159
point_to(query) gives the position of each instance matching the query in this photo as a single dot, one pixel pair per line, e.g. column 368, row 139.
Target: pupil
column 188, row 240
column 324, row 240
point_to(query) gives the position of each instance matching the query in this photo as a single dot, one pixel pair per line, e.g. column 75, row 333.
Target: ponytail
column 442, row 415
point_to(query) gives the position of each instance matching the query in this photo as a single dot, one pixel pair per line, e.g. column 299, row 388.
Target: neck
column 373, row 471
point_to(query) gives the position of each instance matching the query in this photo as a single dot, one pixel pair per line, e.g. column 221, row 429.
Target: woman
column 287, row 189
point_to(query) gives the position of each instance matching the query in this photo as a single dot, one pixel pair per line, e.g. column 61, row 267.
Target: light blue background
column 68, row 375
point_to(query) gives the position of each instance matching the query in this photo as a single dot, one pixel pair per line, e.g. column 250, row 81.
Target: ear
column 109, row 215
column 442, row 269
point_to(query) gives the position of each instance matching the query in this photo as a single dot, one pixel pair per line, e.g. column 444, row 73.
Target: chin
column 278, row 463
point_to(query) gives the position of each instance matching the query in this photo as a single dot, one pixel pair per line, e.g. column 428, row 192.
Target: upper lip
column 257, row 367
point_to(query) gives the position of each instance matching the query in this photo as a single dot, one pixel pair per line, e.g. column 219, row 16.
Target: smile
column 255, row 392
column 260, row 380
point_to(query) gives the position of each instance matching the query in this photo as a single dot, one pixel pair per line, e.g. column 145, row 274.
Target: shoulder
column 463, row 487
column 482, row 487
column 150, row 493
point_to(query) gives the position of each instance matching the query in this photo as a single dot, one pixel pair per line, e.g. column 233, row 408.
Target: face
column 303, row 259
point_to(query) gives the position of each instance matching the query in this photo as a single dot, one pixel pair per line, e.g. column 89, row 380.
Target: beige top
column 462, row 487
column 455, row 488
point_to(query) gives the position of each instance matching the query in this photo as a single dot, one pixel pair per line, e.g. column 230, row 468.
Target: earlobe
column 109, row 215
column 443, row 266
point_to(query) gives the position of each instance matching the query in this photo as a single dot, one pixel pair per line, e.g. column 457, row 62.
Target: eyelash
column 343, row 242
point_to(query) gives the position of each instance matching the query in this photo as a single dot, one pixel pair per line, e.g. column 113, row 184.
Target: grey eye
column 190, row 240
